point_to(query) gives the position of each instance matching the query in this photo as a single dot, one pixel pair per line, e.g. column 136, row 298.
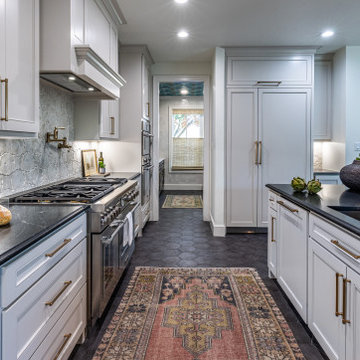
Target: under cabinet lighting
column 72, row 78
column 182, row 34
column 181, row 1
column 327, row 33
column 91, row 89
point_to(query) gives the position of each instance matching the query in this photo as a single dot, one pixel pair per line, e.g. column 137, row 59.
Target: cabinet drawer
column 30, row 318
column 63, row 337
column 336, row 240
column 273, row 198
column 290, row 70
column 18, row 275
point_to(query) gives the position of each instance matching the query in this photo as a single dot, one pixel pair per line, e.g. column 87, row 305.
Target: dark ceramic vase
column 350, row 175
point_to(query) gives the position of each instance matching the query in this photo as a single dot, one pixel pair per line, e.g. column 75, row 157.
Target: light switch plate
column 357, row 146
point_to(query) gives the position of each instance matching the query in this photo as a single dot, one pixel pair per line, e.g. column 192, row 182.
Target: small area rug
column 197, row 314
column 183, row 202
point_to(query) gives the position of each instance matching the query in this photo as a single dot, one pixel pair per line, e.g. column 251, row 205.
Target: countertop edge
column 35, row 238
column 339, row 222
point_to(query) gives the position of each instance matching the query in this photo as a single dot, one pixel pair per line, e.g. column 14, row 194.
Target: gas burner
column 98, row 180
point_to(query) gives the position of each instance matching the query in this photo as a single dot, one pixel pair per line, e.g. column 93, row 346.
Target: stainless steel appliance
column 112, row 207
column 146, row 138
column 147, row 167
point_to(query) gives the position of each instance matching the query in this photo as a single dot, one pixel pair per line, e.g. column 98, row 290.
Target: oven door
column 146, row 184
column 105, row 269
column 146, row 143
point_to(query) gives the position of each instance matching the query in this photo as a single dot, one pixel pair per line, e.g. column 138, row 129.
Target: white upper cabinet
column 322, row 100
column 145, row 88
column 79, row 40
column 19, row 66
column 266, row 67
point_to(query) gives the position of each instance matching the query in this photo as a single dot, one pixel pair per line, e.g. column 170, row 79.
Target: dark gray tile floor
column 181, row 238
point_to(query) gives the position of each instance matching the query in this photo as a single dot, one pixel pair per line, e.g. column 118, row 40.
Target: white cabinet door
column 292, row 254
column 322, row 100
column 114, row 63
column 242, row 170
column 20, row 40
column 284, row 132
column 145, row 88
column 325, row 290
column 272, row 242
column 353, row 314
column 109, row 122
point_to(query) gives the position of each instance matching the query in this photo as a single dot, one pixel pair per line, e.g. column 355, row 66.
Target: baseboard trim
column 217, row 230
column 183, row 187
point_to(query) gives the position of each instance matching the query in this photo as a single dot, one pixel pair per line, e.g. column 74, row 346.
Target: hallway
column 182, row 239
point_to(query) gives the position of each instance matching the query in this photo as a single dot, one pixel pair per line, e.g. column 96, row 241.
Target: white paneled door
column 284, row 132
column 241, row 162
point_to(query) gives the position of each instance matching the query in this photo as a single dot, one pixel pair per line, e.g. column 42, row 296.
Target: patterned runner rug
column 183, row 202
column 197, row 314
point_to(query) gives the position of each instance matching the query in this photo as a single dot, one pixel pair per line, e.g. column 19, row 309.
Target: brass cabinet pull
column 344, row 321
column 336, row 243
column 112, row 126
column 148, row 109
column 268, row 83
column 257, row 153
column 67, row 338
column 52, row 302
column 260, row 151
column 287, row 207
column 272, row 229
column 66, row 241
column 337, row 313
column 6, row 81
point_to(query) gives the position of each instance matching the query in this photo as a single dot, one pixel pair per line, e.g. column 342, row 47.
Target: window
column 186, row 139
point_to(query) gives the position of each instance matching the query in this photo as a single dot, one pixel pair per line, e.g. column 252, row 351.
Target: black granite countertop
column 124, row 174
column 30, row 223
column 330, row 195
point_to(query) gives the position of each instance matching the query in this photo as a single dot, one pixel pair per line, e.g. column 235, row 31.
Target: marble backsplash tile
column 31, row 162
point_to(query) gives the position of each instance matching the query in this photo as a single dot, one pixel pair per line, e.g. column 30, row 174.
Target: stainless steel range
column 112, row 228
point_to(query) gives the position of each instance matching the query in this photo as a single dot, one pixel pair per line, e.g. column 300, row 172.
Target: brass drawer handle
column 268, row 83
column 6, row 81
column 337, row 313
column 52, row 302
column 272, row 229
column 344, row 321
column 287, row 207
column 148, row 109
column 67, row 338
column 66, row 241
column 336, row 243
column 260, row 152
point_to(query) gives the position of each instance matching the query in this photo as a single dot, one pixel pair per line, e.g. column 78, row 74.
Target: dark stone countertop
column 330, row 195
column 30, row 223
column 124, row 174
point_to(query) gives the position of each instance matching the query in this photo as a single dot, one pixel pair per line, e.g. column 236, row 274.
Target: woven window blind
column 187, row 152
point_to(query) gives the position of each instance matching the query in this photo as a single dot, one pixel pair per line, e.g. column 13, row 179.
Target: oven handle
column 146, row 133
column 149, row 167
column 108, row 241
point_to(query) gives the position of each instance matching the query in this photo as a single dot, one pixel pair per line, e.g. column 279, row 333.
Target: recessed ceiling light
column 184, row 91
column 327, row 33
column 91, row 89
column 72, row 78
column 182, row 34
column 181, row 1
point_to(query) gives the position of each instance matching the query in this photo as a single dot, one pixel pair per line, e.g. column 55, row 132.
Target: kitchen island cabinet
column 43, row 282
column 332, row 270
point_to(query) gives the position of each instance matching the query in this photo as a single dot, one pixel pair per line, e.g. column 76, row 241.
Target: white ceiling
column 214, row 23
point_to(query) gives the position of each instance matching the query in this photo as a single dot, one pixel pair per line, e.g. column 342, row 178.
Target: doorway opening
column 181, row 143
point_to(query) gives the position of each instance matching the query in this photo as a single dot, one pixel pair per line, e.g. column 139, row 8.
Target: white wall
column 218, row 170
column 181, row 68
column 176, row 181
column 352, row 101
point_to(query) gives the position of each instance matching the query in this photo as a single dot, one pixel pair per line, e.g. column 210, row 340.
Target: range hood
column 92, row 76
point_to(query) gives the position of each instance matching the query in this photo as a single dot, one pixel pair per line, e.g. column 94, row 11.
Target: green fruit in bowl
column 298, row 184
column 314, row 186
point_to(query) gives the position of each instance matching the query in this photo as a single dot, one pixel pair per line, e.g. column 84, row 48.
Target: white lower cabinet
column 46, row 318
column 272, row 242
column 292, row 254
column 326, row 276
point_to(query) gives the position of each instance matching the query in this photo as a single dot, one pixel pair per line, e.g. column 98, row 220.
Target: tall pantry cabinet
column 269, row 110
